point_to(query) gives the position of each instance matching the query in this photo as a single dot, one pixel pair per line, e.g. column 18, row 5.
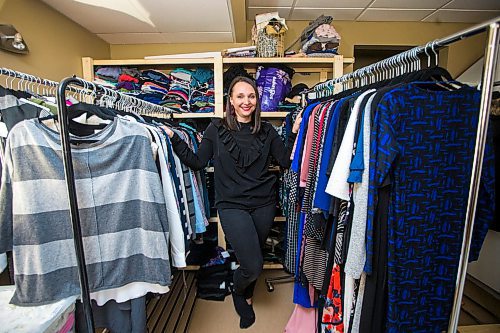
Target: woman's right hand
column 170, row 133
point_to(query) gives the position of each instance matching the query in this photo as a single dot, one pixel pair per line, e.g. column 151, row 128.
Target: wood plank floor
column 180, row 310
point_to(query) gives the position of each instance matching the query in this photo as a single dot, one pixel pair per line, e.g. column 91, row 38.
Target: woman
column 241, row 147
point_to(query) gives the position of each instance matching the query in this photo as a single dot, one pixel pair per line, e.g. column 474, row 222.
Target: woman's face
column 244, row 100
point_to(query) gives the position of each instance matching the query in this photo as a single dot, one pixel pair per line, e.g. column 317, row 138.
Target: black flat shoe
column 242, row 307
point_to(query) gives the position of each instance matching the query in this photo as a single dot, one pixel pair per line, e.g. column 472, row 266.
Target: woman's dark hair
column 230, row 120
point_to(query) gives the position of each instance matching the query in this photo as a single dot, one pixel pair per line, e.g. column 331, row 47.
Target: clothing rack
column 128, row 103
column 391, row 67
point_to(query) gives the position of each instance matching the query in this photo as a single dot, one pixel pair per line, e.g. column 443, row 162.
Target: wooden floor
column 479, row 307
column 179, row 310
column 171, row 312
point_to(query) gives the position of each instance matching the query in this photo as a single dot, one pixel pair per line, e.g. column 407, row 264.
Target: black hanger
column 76, row 110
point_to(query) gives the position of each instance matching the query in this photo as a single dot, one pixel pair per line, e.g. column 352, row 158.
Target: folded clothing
column 151, row 74
column 109, row 73
column 127, row 78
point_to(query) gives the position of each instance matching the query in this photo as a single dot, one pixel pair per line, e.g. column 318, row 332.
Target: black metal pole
column 73, row 204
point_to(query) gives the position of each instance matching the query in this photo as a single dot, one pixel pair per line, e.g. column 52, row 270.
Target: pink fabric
column 303, row 320
column 68, row 326
column 304, row 170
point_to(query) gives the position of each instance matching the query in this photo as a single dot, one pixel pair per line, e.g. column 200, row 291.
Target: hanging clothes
column 112, row 221
column 389, row 191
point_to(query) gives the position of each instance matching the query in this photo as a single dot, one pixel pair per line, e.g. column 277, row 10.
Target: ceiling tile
column 284, row 12
column 476, row 4
column 465, row 16
column 332, row 3
column 112, row 16
column 189, row 15
column 198, row 37
column 409, row 4
column 269, row 3
column 133, row 38
column 394, row 15
column 307, row 14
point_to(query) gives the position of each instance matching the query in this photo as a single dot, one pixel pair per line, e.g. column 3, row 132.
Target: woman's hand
column 296, row 124
column 170, row 133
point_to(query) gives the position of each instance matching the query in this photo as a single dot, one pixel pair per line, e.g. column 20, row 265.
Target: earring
column 232, row 109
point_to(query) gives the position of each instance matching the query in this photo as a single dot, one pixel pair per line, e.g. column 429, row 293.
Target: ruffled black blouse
column 241, row 161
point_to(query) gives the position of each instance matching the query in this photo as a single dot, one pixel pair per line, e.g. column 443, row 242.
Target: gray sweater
column 121, row 205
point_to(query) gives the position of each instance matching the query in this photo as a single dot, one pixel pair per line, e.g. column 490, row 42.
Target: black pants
column 246, row 231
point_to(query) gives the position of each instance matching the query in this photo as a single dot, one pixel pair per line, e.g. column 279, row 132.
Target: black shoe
column 246, row 322
column 244, row 310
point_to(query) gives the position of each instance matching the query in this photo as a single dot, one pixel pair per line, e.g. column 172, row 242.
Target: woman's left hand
column 296, row 124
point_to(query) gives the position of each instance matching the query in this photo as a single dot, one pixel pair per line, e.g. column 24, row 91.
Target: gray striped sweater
column 121, row 205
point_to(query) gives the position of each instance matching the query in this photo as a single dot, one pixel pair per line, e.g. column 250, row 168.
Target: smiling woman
column 241, row 146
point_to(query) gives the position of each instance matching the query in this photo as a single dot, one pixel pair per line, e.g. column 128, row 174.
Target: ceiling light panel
column 332, row 3
column 339, row 14
column 269, row 3
column 405, row 4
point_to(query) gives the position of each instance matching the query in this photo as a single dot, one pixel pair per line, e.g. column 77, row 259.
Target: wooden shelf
column 280, row 219
column 193, row 115
column 266, row 266
column 286, row 60
column 272, row 266
column 140, row 62
column 277, row 114
column 325, row 67
column 274, row 168
column 191, row 268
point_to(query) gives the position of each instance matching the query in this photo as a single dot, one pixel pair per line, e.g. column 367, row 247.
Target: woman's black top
column 241, row 160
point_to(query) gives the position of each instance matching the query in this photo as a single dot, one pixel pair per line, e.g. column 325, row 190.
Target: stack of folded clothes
column 202, row 97
column 238, row 52
column 128, row 81
column 324, row 42
column 107, row 76
column 292, row 101
column 214, row 278
column 182, row 90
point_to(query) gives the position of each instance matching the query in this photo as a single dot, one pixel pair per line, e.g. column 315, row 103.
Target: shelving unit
column 306, row 69
column 89, row 64
column 322, row 68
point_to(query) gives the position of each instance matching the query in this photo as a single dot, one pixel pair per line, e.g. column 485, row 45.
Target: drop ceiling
column 198, row 21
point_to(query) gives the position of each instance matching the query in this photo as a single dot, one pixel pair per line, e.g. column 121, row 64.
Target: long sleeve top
column 241, row 160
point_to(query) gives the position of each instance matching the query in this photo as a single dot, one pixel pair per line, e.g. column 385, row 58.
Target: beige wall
column 56, row 43
column 460, row 56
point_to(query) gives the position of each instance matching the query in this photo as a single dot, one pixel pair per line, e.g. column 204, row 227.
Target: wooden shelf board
column 188, row 115
column 128, row 62
column 211, row 169
column 194, row 115
column 284, row 60
column 276, row 114
column 192, row 268
column 266, row 266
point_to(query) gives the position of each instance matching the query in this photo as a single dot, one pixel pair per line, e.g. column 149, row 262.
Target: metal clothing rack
column 127, row 103
column 35, row 80
column 372, row 73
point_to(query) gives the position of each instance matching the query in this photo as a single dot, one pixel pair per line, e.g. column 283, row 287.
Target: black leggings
column 246, row 231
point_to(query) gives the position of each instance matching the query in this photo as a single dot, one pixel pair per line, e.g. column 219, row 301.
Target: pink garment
column 304, row 170
column 303, row 320
column 68, row 326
